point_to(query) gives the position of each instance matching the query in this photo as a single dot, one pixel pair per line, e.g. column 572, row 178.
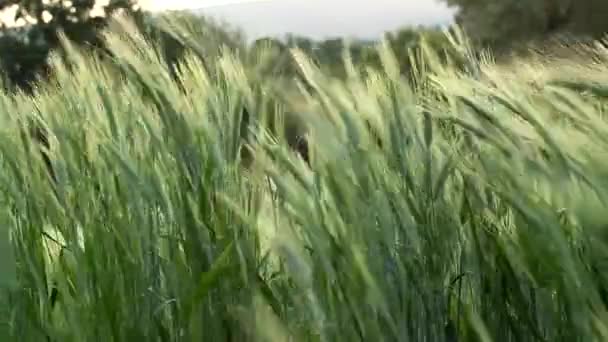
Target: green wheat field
column 482, row 216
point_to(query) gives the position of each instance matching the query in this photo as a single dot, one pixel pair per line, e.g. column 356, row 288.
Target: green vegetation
column 24, row 49
column 508, row 23
column 481, row 217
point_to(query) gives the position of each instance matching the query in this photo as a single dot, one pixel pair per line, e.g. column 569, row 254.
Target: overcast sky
column 312, row 18
column 318, row 18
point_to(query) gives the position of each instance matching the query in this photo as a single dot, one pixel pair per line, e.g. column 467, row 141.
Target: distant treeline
column 24, row 51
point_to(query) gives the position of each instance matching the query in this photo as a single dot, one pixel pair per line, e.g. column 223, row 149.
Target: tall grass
column 481, row 217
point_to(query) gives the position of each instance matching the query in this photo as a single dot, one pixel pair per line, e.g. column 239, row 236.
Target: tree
column 504, row 22
column 24, row 49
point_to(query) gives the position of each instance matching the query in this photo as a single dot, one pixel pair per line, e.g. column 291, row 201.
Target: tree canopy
column 503, row 22
column 27, row 38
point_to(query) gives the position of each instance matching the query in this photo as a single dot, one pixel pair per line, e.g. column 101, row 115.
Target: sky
column 319, row 19
column 316, row 18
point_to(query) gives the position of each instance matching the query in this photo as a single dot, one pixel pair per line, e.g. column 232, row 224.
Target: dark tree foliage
column 508, row 23
column 24, row 50
column 23, row 55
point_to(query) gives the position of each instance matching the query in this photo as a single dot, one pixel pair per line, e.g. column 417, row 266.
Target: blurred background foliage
column 505, row 26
